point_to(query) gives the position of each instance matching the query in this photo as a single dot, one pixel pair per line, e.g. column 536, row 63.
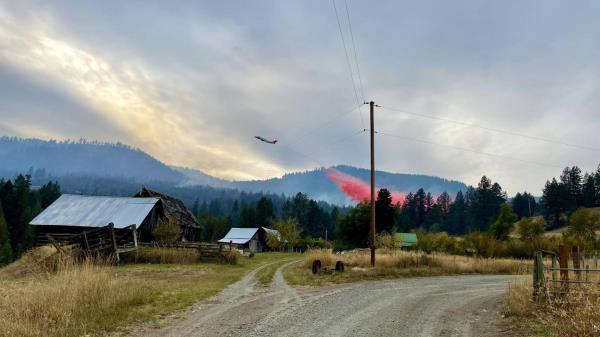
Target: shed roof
column 406, row 239
column 239, row 236
column 94, row 211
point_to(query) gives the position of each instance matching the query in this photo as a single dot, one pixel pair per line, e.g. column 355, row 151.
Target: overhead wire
column 358, row 102
column 362, row 90
column 506, row 132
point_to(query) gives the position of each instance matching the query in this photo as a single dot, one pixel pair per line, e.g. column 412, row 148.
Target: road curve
column 415, row 307
column 418, row 307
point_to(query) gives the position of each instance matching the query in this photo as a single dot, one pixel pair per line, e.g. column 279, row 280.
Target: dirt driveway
column 416, row 307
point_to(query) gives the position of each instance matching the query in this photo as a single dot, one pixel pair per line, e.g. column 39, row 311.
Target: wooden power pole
column 372, row 108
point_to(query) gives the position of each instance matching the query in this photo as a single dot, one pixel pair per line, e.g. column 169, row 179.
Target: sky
column 192, row 82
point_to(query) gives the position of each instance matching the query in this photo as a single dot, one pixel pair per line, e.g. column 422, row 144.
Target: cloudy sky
column 191, row 83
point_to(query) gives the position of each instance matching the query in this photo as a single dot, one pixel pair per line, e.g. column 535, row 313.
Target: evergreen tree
column 588, row 192
column 524, row 205
column 484, row 204
column 49, row 193
column 384, row 211
column 5, row 248
column 265, row 213
column 555, row 203
column 444, row 201
column 457, row 215
column 353, row 227
column 501, row 228
column 248, row 217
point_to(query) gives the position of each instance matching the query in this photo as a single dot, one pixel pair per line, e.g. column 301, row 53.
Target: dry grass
column 453, row 264
column 44, row 295
column 396, row 263
column 164, row 255
column 574, row 314
column 73, row 301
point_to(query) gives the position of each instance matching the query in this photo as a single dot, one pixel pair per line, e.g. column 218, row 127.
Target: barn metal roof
column 94, row 211
column 239, row 236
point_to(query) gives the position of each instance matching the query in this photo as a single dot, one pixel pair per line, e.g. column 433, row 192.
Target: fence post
column 554, row 266
column 111, row 228
column 576, row 261
column 563, row 262
column 538, row 277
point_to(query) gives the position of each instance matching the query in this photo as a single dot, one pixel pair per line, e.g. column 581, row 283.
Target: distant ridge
column 118, row 161
column 61, row 158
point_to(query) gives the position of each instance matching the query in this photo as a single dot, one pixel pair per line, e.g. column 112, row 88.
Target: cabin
column 73, row 214
column 405, row 240
column 252, row 239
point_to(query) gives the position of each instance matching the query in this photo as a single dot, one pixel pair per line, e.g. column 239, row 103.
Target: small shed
column 253, row 239
column 405, row 240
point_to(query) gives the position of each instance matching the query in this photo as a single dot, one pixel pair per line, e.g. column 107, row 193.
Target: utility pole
column 372, row 111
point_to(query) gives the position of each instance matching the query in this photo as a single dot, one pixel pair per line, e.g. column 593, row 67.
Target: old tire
column 339, row 266
column 316, row 266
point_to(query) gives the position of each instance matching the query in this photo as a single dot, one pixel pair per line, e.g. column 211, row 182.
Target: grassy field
column 394, row 264
column 90, row 299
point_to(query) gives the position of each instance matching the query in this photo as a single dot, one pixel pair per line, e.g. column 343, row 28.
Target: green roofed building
column 405, row 240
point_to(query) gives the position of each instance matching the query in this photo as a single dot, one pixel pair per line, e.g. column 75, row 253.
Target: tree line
column 19, row 204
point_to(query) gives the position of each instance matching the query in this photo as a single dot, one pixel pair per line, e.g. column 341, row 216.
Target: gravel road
column 416, row 307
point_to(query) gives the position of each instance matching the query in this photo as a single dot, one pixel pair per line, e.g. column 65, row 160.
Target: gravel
column 415, row 307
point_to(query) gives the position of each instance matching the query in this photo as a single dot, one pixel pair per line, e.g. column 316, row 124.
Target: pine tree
column 588, row 191
column 5, row 247
column 384, row 211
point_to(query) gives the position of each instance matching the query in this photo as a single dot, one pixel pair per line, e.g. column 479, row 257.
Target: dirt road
column 435, row 306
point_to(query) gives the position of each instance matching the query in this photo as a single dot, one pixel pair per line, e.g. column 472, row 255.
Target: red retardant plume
column 357, row 189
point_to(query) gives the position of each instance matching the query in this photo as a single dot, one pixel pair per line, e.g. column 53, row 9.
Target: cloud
column 192, row 83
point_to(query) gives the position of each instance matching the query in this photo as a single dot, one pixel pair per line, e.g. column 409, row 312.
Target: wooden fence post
column 554, row 266
column 575, row 255
column 538, row 277
column 86, row 243
column 563, row 262
column 111, row 228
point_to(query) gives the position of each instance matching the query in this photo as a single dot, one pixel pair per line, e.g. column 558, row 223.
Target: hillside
column 83, row 165
column 84, row 158
column 318, row 185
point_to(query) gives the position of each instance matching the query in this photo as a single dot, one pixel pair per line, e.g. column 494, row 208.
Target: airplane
column 266, row 140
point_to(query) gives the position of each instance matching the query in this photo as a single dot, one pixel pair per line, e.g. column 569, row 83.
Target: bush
column 439, row 242
column 167, row 231
column 385, row 240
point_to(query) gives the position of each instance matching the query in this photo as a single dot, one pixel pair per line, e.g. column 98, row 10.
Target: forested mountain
column 81, row 165
column 318, row 185
column 81, row 157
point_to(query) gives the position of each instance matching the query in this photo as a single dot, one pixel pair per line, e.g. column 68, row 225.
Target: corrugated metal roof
column 239, row 236
column 406, row 239
column 93, row 211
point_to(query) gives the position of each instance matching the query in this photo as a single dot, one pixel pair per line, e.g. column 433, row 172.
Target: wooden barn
column 74, row 214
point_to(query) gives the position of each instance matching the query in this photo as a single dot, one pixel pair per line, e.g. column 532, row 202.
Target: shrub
column 167, row 231
column 385, row 240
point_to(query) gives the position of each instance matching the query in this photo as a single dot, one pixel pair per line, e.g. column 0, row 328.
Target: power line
column 362, row 91
column 462, row 149
column 507, row 132
column 358, row 102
